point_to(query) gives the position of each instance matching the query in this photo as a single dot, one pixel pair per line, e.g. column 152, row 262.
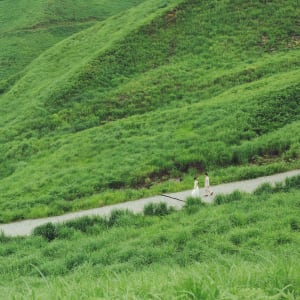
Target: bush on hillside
column 234, row 196
column 47, row 231
column 84, row 223
column 120, row 217
column 292, row 182
column 157, row 209
column 295, row 224
column 3, row 238
column 193, row 204
column 264, row 188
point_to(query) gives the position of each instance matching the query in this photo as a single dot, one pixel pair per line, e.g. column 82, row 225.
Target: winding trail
column 25, row 227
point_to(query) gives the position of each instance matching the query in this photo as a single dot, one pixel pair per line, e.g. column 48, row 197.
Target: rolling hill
column 108, row 101
column 124, row 98
column 28, row 29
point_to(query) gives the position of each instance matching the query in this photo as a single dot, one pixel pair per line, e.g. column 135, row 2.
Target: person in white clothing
column 196, row 192
column 207, row 189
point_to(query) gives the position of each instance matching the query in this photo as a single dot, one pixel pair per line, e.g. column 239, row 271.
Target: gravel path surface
column 25, row 227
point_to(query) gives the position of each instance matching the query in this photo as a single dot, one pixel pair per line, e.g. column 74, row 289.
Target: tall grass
column 246, row 249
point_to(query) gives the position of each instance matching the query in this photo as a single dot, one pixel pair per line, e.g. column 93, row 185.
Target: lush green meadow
column 246, row 246
column 142, row 93
column 107, row 101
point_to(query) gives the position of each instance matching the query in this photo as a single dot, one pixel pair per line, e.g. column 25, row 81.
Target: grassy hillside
column 29, row 28
column 244, row 247
column 161, row 90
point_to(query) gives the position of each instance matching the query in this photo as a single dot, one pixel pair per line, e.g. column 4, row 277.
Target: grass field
column 108, row 101
column 243, row 247
column 140, row 94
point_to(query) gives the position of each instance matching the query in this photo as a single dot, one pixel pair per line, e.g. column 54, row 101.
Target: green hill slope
column 29, row 28
column 58, row 68
column 162, row 90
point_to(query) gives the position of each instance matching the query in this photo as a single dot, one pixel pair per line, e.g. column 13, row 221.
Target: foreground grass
column 244, row 248
column 228, row 279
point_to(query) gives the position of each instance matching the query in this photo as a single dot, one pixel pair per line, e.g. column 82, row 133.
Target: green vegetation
column 245, row 247
column 29, row 28
column 107, row 101
column 148, row 93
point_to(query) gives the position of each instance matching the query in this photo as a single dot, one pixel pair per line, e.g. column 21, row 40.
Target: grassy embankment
column 159, row 91
column 243, row 247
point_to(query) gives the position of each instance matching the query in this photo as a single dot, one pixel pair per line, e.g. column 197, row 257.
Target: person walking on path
column 207, row 189
column 196, row 192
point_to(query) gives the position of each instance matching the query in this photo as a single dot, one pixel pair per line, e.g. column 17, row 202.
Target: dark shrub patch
column 295, row 225
column 157, row 209
column 293, row 182
column 84, row 223
column 192, row 205
column 234, row 196
column 121, row 218
column 265, row 188
column 4, row 238
column 47, row 231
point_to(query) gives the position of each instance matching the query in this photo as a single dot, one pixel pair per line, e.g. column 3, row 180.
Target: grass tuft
column 157, row 209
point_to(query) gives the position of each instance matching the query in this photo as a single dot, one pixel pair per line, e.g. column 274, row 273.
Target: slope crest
column 57, row 68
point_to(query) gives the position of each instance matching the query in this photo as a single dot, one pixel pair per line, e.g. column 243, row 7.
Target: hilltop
column 31, row 27
column 127, row 100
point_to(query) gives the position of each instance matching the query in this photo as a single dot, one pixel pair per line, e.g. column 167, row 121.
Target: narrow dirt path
column 23, row 228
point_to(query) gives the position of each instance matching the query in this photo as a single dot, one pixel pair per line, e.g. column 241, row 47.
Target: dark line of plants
column 117, row 218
